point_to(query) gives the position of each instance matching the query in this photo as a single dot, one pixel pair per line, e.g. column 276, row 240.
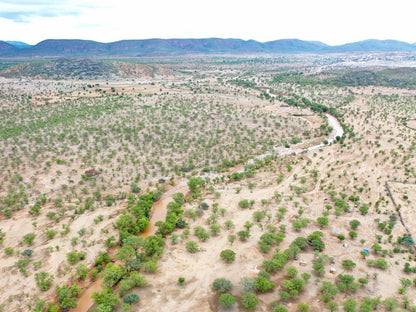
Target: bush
column 348, row 264
column 243, row 203
column 9, row 251
column 381, row 263
column 44, row 280
column 105, row 299
column 354, row 224
column 27, row 252
column 227, row 255
column 247, row 283
column 73, row 256
column 222, row 285
column 67, row 296
column 82, row 271
column 192, row 246
column 226, row 300
column 262, row 285
column 249, row 300
column 303, row 307
column 243, row 235
column 29, row 238
column 131, row 298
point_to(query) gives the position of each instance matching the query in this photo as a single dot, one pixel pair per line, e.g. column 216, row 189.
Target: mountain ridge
column 166, row 47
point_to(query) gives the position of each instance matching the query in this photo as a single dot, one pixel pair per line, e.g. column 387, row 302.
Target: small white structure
column 332, row 270
column 335, row 233
column 303, row 262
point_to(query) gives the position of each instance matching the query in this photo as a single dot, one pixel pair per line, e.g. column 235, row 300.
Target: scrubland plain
column 173, row 184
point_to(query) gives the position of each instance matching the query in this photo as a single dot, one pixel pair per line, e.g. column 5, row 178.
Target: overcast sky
column 329, row 21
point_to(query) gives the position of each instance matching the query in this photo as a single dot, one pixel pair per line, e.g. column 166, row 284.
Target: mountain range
column 165, row 47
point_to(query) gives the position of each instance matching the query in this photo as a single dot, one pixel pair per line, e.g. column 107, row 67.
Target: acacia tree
column 249, row 300
column 226, row 300
column 222, row 285
column 227, row 255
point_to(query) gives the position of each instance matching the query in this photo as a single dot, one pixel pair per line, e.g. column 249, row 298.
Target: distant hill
column 19, row 44
column 161, row 47
column 7, row 48
column 375, row 45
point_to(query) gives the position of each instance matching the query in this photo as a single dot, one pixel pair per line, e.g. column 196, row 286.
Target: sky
column 330, row 21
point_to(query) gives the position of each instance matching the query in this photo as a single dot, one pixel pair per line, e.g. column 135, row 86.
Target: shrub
column 9, row 251
column 226, row 300
column 303, row 307
column 73, row 256
column 381, row 263
column 82, row 271
column 243, row 235
column 249, row 300
column 247, row 283
column 227, row 255
column 354, row 224
column 131, row 298
column 261, row 284
column 44, row 280
column 29, row 238
column 348, row 264
column 222, row 285
column 50, row 233
column 27, row 252
column 67, row 296
column 243, row 203
column 192, row 246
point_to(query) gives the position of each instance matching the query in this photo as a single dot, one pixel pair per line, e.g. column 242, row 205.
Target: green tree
column 258, row 216
column 328, row 290
column 106, row 300
column 44, row 280
column 381, row 263
column 354, row 224
column 352, row 234
column 29, row 238
column 243, row 235
column 249, row 300
column 348, row 264
column 280, row 309
column 67, row 297
column 262, row 285
column 390, row 303
column 332, row 306
column 195, row 183
column 291, row 271
column 244, row 203
column 222, row 285
column 112, row 274
column 226, row 300
column 131, row 298
column 192, row 246
column 377, row 248
column 227, row 255
column 350, row 305
column 82, row 271
column 322, row 221
column 364, row 209
column 303, row 307
column 365, row 307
